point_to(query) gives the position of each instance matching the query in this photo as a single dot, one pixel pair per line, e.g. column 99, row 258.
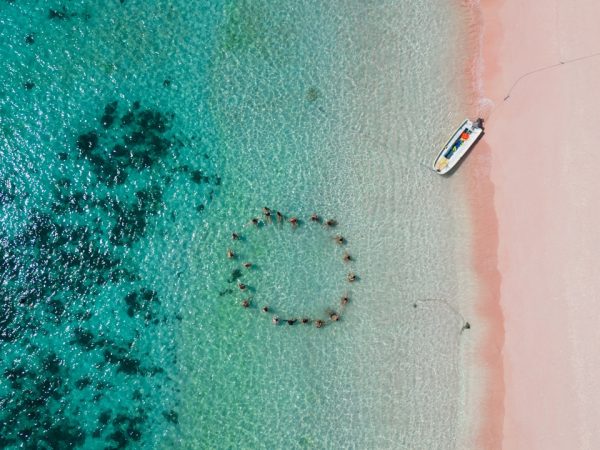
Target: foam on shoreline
column 486, row 381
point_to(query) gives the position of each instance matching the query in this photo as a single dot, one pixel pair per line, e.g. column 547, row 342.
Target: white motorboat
column 458, row 145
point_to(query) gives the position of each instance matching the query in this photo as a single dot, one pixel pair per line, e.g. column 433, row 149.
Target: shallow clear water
column 137, row 136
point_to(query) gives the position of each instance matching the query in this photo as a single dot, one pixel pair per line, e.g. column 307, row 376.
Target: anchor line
column 465, row 324
column 551, row 66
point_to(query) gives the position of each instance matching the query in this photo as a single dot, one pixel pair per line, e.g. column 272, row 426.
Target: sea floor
column 137, row 137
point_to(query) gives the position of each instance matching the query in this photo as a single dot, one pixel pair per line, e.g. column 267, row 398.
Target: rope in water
column 465, row 324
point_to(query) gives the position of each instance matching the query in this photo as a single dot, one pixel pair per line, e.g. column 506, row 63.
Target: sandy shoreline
column 532, row 194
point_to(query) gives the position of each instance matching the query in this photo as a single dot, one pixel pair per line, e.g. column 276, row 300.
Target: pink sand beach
column 537, row 223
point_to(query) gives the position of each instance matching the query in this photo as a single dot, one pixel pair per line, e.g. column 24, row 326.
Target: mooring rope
column 551, row 66
column 465, row 324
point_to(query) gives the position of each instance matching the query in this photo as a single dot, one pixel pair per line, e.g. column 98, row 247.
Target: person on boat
column 275, row 320
column 319, row 323
column 247, row 265
column 339, row 240
column 315, row 217
column 351, row 277
column 346, row 257
column 265, row 309
column 246, row 303
column 242, row 286
column 235, row 236
column 230, row 253
column 330, row 222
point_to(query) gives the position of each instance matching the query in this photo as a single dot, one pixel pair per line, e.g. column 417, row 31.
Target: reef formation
column 76, row 311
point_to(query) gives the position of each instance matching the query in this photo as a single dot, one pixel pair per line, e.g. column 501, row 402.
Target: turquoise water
column 136, row 137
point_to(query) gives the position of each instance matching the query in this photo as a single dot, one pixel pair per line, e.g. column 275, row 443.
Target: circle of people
column 294, row 222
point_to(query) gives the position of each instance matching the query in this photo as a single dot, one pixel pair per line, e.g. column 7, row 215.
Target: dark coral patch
column 197, row 176
column 30, row 415
column 129, row 228
column 125, row 364
column 58, row 14
column 133, row 305
column 66, row 255
column 149, row 295
column 52, row 363
column 141, row 301
column 171, row 416
column 108, row 117
column 312, row 94
column 82, row 383
column 87, row 142
column 127, row 429
column 84, row 338
column 127, row 119
column 104, row 417
column 153, row 121
column 107, row 120
column 131, row 366
column 64, row 435
column 120, row 151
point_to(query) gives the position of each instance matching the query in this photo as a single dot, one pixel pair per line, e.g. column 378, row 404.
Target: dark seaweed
column 109, row 114
column 87, row 142
column 197, row 177
column 58, row 14
column 171, row 416
column 55, row 268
